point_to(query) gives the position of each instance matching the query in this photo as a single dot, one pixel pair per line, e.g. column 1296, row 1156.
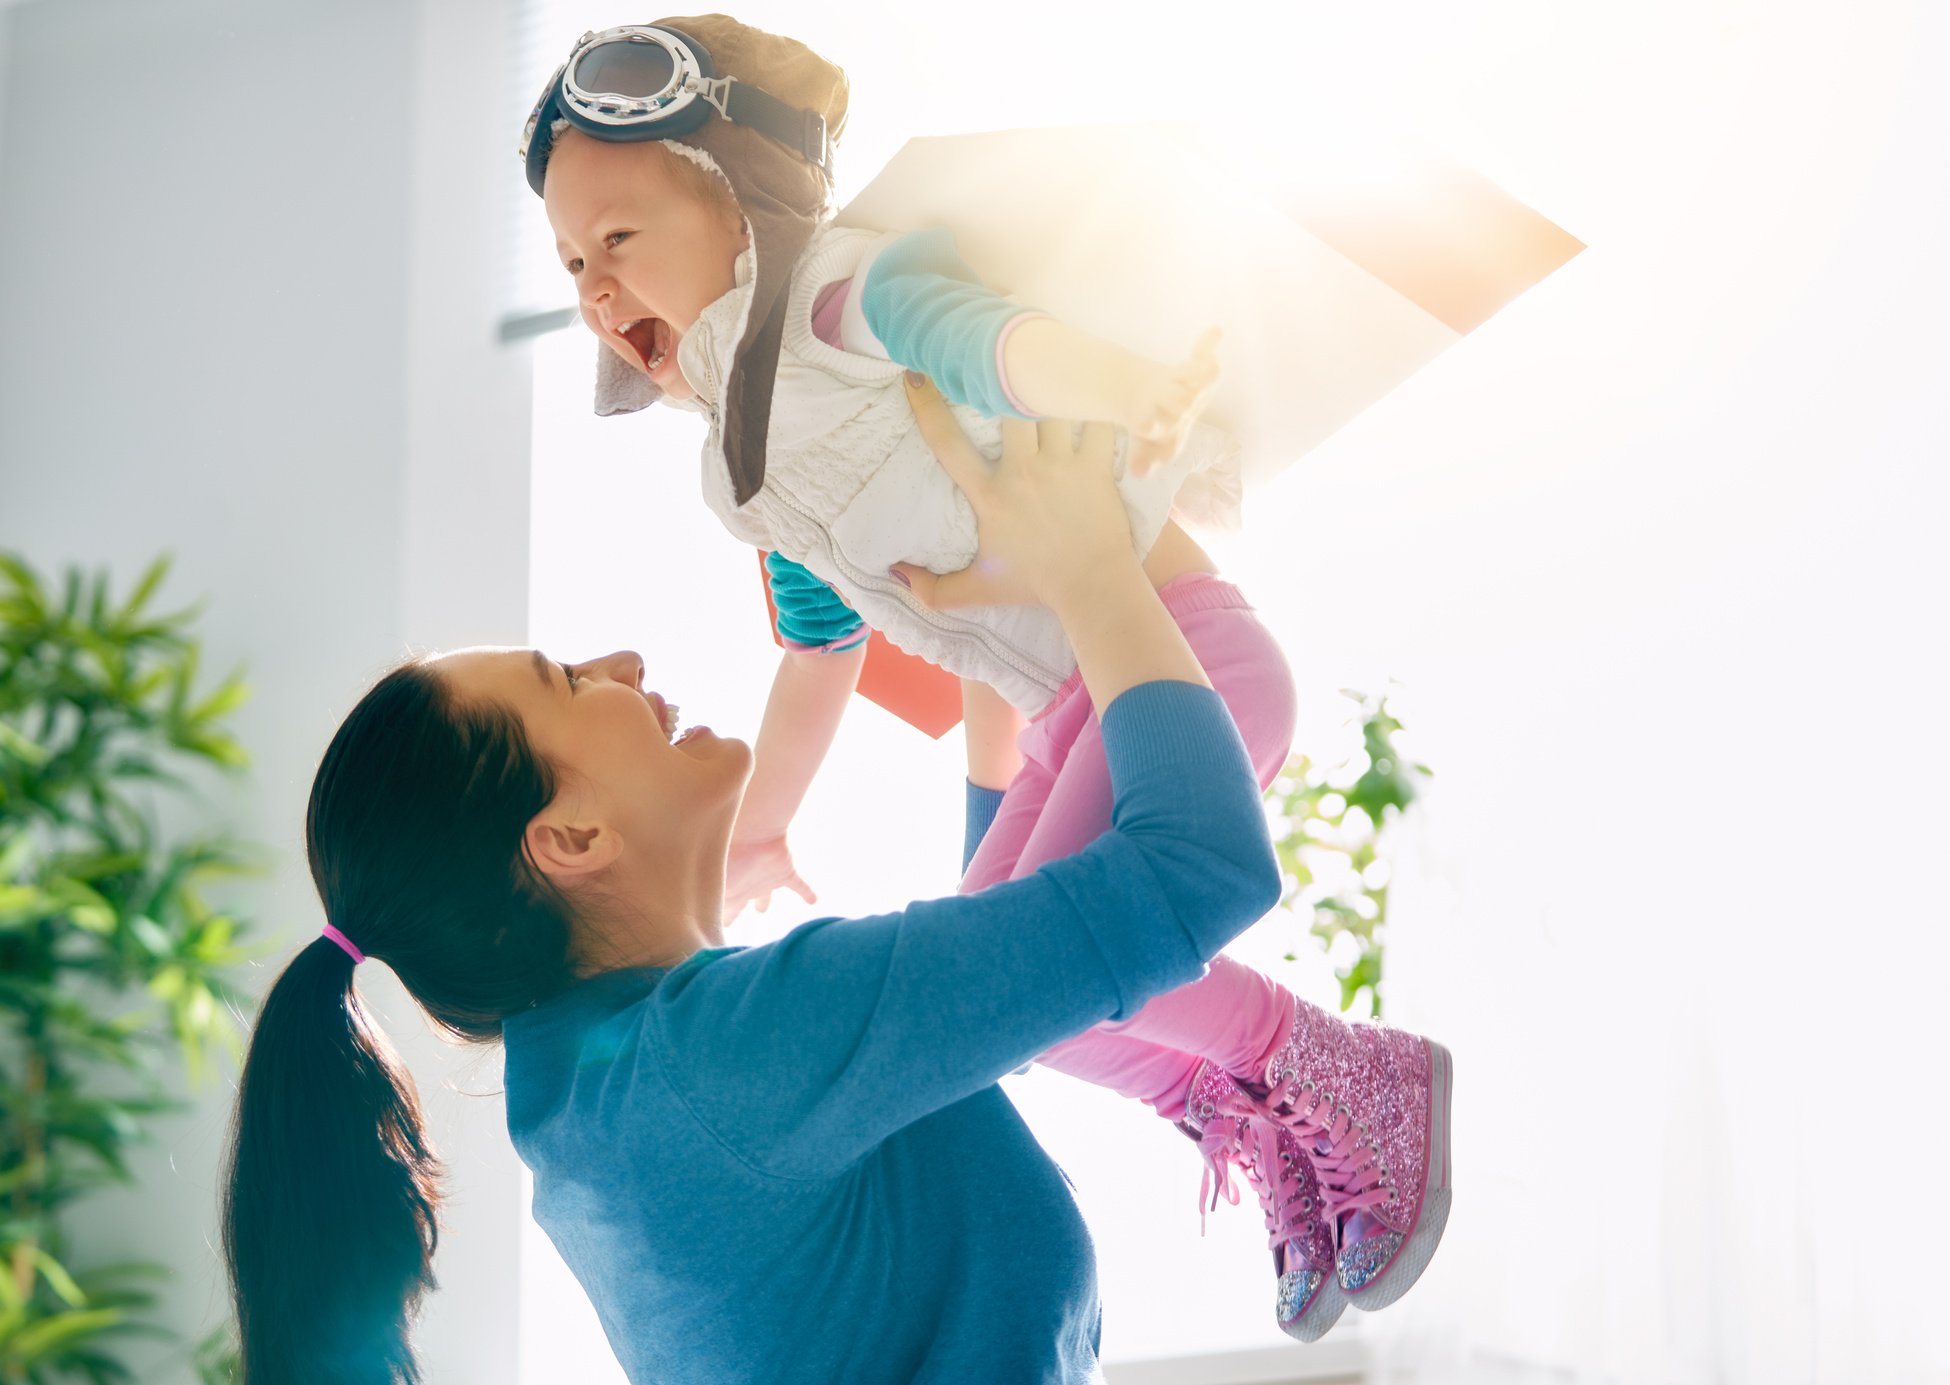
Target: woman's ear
column 564, row 851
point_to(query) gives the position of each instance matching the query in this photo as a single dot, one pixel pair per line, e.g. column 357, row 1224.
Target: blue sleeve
column 811, row 613
column 932, row 313
column 805, row 1053
column 982, row 804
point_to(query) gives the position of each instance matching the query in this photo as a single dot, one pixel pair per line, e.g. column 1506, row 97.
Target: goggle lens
column 638, row 71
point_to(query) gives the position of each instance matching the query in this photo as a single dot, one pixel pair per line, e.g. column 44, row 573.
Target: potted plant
column 1330, row 831
column 113, row 964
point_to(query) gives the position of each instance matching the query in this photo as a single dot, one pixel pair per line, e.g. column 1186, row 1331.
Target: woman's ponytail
column 414, row 836
column 330, row 1191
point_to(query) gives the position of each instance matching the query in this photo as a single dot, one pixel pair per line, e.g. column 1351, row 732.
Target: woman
column 777, row 1163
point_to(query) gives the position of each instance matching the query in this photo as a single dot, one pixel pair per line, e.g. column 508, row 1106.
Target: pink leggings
column 1061, row 802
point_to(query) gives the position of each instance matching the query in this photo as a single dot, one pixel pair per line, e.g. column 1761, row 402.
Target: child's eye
column 616, row 238
column 573, row 266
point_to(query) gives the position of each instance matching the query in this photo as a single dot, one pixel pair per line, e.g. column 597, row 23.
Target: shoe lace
column 1282, row 1196
column 1348, row 1163
column 1218, row 1148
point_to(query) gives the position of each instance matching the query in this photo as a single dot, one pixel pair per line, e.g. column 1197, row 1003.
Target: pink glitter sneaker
column 1370, row 1107
column 1231, row 1130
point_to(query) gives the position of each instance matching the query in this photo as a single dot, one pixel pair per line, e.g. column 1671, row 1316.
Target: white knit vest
column 850, row 488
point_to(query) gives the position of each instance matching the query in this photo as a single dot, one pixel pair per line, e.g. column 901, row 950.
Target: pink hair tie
column 346, row 943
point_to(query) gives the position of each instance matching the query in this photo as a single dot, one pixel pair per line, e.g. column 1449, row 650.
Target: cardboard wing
column 1330, row 289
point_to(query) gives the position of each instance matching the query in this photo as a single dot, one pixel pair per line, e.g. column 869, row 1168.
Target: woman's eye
column 569, row 674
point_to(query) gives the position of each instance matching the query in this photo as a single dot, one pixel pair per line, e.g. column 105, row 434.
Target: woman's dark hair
column 415, row 838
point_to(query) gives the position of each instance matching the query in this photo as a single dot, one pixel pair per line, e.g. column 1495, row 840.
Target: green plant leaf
column 58, row 1279
column 100, row 1370
column 94, row 865
column 115, row 961
column 1364, row 974
column 229, row 696
column 21, row 905
column 153, row 936
column 145, row 588
column 16, row 855
column 113, row 1277
column 56, row 1331
column 15, row 744
column 83, row 906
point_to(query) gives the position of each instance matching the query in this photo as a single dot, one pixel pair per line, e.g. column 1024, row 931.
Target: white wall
column 250, row 326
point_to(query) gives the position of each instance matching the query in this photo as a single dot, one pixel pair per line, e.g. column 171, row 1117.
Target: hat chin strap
column 802, row 131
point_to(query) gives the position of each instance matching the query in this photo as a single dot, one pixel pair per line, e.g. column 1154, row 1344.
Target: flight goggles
column 642, row 81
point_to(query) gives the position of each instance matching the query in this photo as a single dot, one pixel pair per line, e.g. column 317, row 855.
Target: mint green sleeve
column 811, row 614
column 933, row 314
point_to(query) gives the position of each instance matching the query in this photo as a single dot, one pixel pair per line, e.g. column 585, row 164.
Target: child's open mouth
column 649, row 337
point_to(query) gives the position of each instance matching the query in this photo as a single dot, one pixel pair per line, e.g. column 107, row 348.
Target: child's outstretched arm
column 809, row 695
column 926, row 309
column 1057, row 371
column 827, row 645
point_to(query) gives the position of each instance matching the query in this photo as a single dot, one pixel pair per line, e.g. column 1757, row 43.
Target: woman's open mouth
column 649, row 337
column 674, row 731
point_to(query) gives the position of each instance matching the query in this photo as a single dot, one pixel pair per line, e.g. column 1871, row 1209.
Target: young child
column 685, row 167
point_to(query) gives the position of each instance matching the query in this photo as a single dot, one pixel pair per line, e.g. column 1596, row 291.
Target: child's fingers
column 802, row 889
column 943, row 435
column 1202, row 367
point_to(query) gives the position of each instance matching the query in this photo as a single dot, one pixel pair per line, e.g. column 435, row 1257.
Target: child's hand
column 1164, row 403
column 753, row 870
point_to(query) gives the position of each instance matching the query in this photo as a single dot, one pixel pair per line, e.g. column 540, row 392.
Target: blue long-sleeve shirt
column 791, row 1162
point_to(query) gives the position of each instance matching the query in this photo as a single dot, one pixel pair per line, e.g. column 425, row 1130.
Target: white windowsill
column 1324, row 1363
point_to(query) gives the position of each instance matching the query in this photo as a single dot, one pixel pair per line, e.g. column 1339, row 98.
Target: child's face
column 648, row 252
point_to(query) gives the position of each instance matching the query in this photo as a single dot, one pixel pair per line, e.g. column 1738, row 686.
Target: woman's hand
column 753, row 870
column 1048, row 516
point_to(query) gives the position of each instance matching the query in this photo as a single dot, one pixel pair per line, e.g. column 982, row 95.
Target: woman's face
column 609, row 741
column 647, row 251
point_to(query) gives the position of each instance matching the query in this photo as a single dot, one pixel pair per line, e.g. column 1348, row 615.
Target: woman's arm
column 806, row 1053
